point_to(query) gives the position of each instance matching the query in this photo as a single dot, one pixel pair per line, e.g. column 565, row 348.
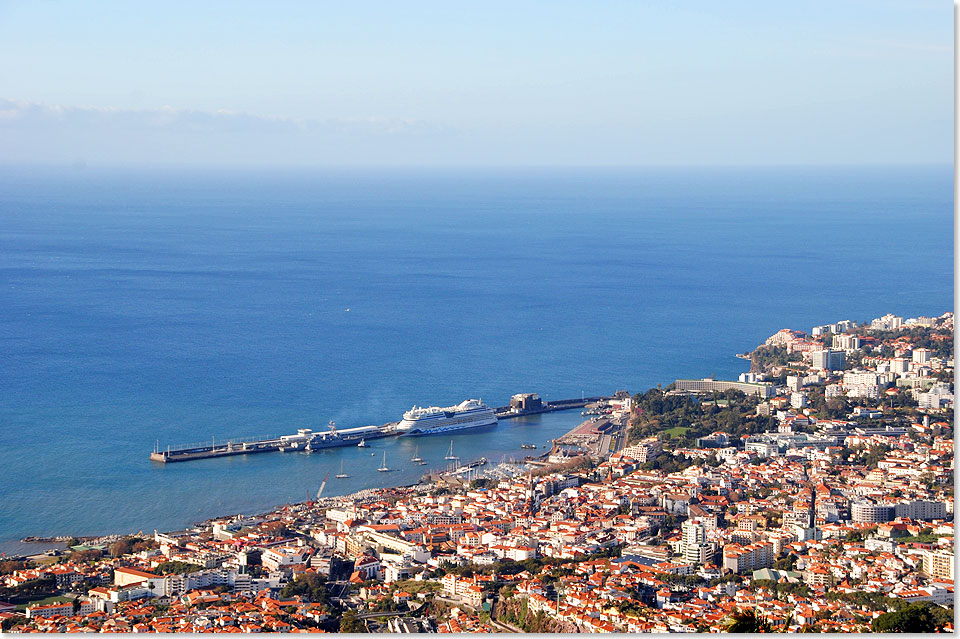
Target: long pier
column 273, row 444
column 224, row 450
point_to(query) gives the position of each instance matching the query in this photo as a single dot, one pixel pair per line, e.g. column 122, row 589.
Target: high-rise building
column 694, row 547
column 847, row 342
column 828, row 360
column 938, row 564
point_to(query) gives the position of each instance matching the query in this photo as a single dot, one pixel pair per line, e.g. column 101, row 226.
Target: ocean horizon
column 168, row 306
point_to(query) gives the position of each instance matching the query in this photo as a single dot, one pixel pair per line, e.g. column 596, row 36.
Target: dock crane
column 323, row 485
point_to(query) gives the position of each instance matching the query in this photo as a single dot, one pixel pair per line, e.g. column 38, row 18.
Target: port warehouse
column 520, row 405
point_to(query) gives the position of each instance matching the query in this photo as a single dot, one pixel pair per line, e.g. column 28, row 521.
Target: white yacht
column 450, row 456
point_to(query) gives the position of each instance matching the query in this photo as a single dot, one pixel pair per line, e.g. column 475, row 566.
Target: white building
column 763, row 449
column 280, row 557
column 847, row 342
column 938, row 564
column 64, row 609
column 833, row 390
column 919, row 509
column 869, row 513
column 899, row 365
column 938, row 396
column 828, row 360
column 798, row 400
column 888, row 322
column 764, row 390
column 644, row 450
column 860, row 378
column 864, row 391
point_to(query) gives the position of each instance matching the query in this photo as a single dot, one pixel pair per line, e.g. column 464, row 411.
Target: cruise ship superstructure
column 434, row 420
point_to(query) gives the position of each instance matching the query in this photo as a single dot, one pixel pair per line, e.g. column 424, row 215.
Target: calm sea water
column 138, row 307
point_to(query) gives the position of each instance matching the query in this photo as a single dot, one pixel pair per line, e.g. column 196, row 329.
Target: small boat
column 384, row 468
column 363, row 443
column 309, row 448
column 531, row 446
column 341, row 474
column 416, row 456
column 450, row 456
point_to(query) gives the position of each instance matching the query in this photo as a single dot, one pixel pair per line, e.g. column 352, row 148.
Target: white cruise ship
column 434, row 420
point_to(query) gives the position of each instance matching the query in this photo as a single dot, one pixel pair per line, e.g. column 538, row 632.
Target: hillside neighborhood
column 815, row 492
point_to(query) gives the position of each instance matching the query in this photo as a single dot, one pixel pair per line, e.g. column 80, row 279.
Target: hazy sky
column 501, row 83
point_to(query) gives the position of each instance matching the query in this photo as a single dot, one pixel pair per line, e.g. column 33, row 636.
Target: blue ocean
column 168, row 306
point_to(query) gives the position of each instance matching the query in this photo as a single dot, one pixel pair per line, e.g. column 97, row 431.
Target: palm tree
column 748, row 621
column 751, row 621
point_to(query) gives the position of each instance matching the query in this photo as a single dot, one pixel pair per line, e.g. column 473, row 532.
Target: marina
column 307, row 440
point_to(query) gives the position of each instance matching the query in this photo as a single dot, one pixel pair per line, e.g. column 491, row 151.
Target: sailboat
column 416, row 456
column 383, row 468
column 363, row 443
column 341, row 474
column 450, row 455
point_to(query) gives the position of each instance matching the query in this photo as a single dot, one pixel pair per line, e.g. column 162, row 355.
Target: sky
column 600, row 83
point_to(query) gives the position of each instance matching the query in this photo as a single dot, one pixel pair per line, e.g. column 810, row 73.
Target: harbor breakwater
column 244, row 446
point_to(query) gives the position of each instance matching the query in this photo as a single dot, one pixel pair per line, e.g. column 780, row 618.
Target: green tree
column 176, row 568
column 9, row 567
column 82, row 556
column 7, row 624
column 786, row 563
column 747, row 621
column 309, row 585
column 121, row 547
column 920, row 617
column 145, row 544
column 351, row 622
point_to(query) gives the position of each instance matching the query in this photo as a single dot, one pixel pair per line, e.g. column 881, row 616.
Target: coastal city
column 814, row 493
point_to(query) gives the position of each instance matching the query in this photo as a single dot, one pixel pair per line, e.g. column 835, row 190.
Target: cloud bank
column 35, row 132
